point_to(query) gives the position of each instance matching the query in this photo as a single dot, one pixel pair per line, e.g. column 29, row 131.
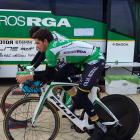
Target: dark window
column 90, row 9
column 121, row 18
column 25, row 4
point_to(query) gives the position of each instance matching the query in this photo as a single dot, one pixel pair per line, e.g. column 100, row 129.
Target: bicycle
column 115, row 111
column 16, row 92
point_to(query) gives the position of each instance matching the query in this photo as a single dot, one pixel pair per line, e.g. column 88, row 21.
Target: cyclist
column 80, row 57
column 40, row 57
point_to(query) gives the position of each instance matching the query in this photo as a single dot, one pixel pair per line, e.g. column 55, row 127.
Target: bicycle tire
column 125, row 110
column 7, row 97
column 53, row 115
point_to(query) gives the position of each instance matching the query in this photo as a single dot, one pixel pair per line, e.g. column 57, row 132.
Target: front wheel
column 46, row 125
column 13, row 94
column 125, row 111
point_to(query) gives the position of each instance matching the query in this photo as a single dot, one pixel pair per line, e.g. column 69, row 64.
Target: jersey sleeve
column 50, row 58
column 58, row 37
column 35, row 58
column 40, row 60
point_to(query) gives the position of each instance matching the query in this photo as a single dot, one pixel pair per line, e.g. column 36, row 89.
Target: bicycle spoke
column 43, row 128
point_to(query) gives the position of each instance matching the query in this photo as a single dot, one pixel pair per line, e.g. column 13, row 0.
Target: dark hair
column 43, row 33
column 33, row 30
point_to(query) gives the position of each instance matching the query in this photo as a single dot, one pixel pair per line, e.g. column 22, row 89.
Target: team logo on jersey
column 75, row 51
column 67, row 45
column 54, row 44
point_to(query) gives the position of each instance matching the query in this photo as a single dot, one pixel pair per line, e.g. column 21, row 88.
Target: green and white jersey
column 58, row 37
column 70, row 51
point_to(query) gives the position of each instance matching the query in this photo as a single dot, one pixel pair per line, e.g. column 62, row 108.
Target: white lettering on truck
column 31, row 21
column 12, row 20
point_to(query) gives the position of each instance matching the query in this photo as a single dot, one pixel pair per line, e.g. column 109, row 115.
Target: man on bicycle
column 40, row 57
column 80, row 57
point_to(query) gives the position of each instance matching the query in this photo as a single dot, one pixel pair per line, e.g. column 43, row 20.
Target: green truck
column 108, row 24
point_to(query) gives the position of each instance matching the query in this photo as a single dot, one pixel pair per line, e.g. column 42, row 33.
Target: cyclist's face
column 42, row 46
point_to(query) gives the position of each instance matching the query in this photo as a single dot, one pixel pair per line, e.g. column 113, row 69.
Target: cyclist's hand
column 25, row 66
column 21, row 78
column 30, row 68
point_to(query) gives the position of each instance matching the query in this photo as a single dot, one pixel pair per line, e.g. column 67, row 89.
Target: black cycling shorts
column 88, row 78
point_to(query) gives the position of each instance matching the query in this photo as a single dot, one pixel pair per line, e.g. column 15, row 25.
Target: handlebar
column 20, row 68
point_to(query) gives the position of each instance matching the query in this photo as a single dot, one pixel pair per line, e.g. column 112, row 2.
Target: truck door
column 120, row 35
column 120, row 32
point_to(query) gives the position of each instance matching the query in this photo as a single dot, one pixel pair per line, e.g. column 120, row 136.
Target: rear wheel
column 126, row 112
column 46, row 125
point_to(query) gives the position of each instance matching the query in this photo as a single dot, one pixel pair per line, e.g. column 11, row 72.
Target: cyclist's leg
column 67, row 71
column 59, row 65
column 88, row 79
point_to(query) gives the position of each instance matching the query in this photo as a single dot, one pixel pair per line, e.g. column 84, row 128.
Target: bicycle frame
column 47, row 94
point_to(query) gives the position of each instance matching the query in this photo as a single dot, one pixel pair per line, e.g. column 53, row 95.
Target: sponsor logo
column 63, row 108
column 75, row 51
column 1, row 49
column 120, row 44
column 6, row 41
column 89, row 76
column 27, row 49
column 31, row 21
column 67, row 45
column 1, row 55
column 31, row 55
column 27, row 42
column 18, row 55
column 7, row 55
column 61, row 65
column 9, row 49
